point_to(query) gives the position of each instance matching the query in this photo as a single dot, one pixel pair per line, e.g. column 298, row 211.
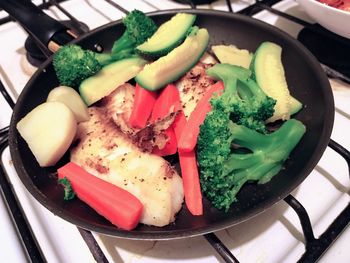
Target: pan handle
column 47, row 32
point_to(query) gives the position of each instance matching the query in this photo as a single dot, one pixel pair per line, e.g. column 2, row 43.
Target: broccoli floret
column 233, row 145
column 74, row 64
column 246, row 101
column 229, row 155
column 139, row 28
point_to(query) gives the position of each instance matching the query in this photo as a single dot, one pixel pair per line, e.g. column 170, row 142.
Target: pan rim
column 183, row 233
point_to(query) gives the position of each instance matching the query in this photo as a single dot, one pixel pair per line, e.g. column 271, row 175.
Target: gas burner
column 329, row 210
column 35, row 56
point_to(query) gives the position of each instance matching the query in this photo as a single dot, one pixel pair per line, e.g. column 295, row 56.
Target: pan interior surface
column 306, row 81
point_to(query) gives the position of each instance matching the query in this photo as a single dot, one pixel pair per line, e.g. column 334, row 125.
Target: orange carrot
column 189, row 171
column 188, row 138
column 143, row 104
column 190, row 179
column 170, row 146
column 119, row 206
column 179, row 124
column 168, row 101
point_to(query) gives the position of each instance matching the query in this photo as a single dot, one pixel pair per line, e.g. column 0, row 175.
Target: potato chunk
column 72, row 99
column 49, row 130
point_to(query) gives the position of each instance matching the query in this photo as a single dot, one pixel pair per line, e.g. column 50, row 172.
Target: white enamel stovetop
column 274, row 236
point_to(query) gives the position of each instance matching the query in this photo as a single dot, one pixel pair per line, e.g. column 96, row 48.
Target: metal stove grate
column 314, row 247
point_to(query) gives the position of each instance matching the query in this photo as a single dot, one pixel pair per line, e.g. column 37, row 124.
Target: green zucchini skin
column 295, row 105
column 168, row 36
column 109, row 78
column 268, row 72
column 172, row 66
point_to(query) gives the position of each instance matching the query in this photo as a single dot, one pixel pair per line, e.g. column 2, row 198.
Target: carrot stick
column 188, row 139
column 142, row 108
column 190, row 179
column 170, row 146
column 189, row 171
column 179, row 124
column 168, row 101
column 117, row 205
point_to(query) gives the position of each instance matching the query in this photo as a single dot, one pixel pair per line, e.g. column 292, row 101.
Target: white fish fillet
column 109, row 154
column 119, row 105
column 192, row 87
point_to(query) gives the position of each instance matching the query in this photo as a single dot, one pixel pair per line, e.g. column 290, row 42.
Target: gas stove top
column 275, row 235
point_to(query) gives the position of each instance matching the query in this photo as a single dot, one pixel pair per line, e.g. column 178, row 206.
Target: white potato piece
column 49, row 130
column 72, row 99
column 232, row 55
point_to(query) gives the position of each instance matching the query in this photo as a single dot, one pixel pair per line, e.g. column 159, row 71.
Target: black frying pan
column 306, row 80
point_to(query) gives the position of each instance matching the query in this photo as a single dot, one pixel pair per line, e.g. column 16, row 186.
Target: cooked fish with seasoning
column 193, row 85
column 103, row 150
column 118, row 106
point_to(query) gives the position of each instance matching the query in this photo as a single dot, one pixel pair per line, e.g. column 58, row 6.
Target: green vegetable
column 295, row 105
column 109, row 78
column 68, row 190
column 269, row 73
column 243, row 99
column 74, row 64
column 139, row 28
column 168, row 36
column 255, row 157
column 178, row 61
column 232, row 55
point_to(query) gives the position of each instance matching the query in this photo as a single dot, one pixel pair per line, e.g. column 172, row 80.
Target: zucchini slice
column 268, row 71
column 109, row 78
column 295, row 105
column 168, row 36
column 172, row 66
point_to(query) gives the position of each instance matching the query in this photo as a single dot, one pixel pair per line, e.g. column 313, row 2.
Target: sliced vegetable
column 109, row 78
column 120, row 207
column 168, row 36
column 179, row 125
column 232, row 55
column 72, row 100
column 188, row 139
column 191, row 183
column 49, row 130
column 178, row 61
column 170, row 146
column 295, row 105
column 138, row 28
column 167, row 102
column 268, row 71
column 189, row 171
column 143, row 104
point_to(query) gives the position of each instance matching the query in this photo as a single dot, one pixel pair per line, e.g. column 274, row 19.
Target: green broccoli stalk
column 246, row 101
column 68, row 190
column 73, row 64
column 139, row 28
column 255, row 157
